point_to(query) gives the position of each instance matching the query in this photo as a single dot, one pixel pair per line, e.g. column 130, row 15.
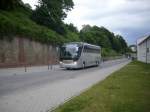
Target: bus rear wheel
column 97, row 63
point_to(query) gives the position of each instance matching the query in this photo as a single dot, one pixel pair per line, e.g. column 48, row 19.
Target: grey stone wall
column 25, row 52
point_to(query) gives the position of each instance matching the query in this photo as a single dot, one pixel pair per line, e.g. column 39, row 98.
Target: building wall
column 142, row 52
column 148, row 54
column 25, row 52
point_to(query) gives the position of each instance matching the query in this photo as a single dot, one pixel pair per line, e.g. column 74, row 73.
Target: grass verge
column 127, row 90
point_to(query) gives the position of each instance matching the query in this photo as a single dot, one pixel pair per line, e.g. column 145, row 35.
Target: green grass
column 127, row 90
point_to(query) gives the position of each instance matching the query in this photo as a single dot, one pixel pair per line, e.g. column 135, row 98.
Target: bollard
column 51, row 66
column 48, row 66
column 25, row 68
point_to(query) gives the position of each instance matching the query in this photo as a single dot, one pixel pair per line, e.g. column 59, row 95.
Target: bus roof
column 83, row 43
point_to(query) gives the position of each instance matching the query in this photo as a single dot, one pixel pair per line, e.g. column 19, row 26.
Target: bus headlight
column 74, row 62
column 60, row 62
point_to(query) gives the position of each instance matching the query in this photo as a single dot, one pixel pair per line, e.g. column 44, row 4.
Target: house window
column 147, row 50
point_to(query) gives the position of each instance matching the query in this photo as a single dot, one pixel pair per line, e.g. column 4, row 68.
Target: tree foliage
column 103, row 37
column 9, row 4
column 50, row 13
column 72, row 28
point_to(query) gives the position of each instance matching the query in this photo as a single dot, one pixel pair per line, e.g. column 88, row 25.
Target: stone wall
column 25, row 52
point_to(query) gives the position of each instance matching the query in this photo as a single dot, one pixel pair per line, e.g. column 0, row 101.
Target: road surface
column 44, row 90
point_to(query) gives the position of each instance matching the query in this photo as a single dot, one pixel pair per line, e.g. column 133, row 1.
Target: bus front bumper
column 69, row 65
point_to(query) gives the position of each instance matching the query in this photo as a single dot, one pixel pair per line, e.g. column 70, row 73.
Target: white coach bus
column 79, row 55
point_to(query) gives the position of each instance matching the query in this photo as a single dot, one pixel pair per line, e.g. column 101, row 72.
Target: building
column 143, row 49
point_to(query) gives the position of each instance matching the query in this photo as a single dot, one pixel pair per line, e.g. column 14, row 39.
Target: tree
column 104, row 38
column 72, row 28
column 50, row 13
column 116, row 44
column 9, row 4
column 95, row 35
column 28, row 6
column 123, row 44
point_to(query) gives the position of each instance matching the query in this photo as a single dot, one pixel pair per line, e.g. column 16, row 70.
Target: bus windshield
column 70, row 51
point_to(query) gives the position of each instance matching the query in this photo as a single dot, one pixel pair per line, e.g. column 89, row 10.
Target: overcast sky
column 129, row 18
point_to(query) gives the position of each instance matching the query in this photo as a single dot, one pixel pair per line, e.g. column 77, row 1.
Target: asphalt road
column 40, row 89
column 16, row 82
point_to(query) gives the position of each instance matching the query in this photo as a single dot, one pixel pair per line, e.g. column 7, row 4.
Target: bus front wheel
column 83, row 65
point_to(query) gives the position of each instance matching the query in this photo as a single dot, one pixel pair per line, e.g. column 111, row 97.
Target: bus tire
column 97, row 63
column 83, row 65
